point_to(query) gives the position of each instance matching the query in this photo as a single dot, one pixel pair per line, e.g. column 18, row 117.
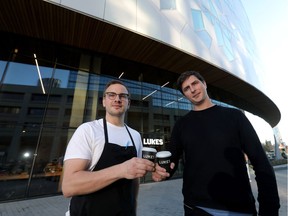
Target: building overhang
column 42, row 20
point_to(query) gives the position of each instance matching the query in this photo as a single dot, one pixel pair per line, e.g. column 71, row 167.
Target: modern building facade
column 57, row 55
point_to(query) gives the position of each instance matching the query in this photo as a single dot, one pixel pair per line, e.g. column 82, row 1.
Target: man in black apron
column 102, row 164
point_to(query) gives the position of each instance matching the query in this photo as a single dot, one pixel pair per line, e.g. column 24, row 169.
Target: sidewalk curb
column 283, row 166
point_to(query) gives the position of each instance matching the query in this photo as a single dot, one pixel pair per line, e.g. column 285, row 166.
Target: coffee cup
column 164, row 159
column 149, row 153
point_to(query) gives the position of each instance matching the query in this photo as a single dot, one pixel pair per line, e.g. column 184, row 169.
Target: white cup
column 149, row 153
column 164, row 159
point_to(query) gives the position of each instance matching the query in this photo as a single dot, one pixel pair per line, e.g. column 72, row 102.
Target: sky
column 269, row 21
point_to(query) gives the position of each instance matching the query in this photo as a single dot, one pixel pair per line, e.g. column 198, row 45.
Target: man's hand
column 137, row 167
column 160, row 173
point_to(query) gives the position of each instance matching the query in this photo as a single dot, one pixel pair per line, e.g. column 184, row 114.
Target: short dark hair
column 112, row 82
column 185, row 75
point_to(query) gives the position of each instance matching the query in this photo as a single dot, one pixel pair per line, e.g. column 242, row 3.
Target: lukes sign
column 154, row 142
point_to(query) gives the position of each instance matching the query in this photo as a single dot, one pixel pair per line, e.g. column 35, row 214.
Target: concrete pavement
column 155, row 199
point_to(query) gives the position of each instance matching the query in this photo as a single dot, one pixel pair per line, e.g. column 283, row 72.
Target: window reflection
column 35, row 127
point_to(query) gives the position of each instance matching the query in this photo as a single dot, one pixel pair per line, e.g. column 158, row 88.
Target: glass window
column 11, row 96
column 219, row 35
column 36, row 111
column 24, row 74
column 205, row 37
column 218, row 4
column 212, row 9
column 39, row 97
column 7, row 124
column 197, row 20
column 209, row 16
column 9, row 110
column 227, row 45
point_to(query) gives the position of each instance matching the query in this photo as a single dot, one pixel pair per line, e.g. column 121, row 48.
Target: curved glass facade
column 217, row 31
column 43, row 101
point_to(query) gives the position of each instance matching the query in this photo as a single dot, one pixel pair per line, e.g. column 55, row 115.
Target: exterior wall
column 217, row 31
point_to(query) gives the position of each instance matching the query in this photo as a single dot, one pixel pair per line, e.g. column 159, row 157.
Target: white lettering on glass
column 147, row 141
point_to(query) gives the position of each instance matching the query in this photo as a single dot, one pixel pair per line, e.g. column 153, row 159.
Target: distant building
column 50, row 82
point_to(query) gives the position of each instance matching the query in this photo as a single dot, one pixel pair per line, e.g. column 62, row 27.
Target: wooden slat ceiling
column 46, row 21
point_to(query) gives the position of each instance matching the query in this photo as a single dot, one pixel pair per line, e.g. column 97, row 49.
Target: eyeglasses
column 112, row 96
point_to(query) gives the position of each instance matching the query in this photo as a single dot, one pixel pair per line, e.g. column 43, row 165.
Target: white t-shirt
column 88, row 141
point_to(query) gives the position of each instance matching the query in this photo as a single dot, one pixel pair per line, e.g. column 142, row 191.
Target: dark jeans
column 194, row 211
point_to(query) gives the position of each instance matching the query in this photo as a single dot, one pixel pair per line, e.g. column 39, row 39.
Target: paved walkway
column 155, row 199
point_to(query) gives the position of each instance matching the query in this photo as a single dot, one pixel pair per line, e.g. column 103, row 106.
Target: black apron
column 116, row 199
